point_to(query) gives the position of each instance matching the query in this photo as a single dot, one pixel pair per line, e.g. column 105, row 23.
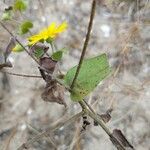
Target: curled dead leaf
column 48, row 63
column 53, row 92
column 10, row 46
column 7, row 64
column 105, row 117
column 121, row 138
column 4, row 63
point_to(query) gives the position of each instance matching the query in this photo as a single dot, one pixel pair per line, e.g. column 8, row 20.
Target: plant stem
column 85, row 43
column 83, row 103
column 88, row 106
column 58, row 80
column 18, row 42
column 20, row 75
column 102, row 124
column 96, row 118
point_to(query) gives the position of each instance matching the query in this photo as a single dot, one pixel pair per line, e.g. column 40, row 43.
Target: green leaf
column 39, row 52
column 25, row 27
column 57, row 55
column 50, row 40
column 20, row 5
column 92, row 71
column 7, row 14
column 18, row 48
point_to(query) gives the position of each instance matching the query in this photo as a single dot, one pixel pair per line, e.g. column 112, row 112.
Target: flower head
column 50, row 32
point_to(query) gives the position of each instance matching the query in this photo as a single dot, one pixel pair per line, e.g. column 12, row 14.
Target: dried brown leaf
column 48, row 63
column 54, row 93
column 4, row 63
column 121, row 138
column 105, row 117
column 7, row 64
column 9, row 48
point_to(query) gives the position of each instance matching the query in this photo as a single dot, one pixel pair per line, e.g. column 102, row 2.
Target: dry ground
column 122, row 31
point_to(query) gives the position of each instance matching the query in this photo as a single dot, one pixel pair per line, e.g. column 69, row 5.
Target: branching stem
column 18, row 41
column 96, row 118
column 89, row 111
column 86, row 108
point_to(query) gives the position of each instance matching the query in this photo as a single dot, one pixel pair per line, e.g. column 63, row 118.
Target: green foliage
column 20, row 5
column 92, row 71
column 57, row 55
column 50, row 40
column 7, row 14
column 39, row 52
column 25, row 27
column 18, row 48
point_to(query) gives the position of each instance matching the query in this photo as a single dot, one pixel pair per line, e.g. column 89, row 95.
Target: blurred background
column 121, row 29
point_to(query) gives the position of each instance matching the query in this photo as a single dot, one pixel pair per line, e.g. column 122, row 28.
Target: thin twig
column 83, row 103
column 88, row 106
column 18, row 42
column 58, row 80
column 47, row 137
column 76, row 141
column 51, row 129
column 102, row 124
column 85, row 43
column 96, row 118
column 20, row 75
column 8, row 141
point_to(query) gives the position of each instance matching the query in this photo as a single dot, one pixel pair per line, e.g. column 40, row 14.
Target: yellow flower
column 51, row 32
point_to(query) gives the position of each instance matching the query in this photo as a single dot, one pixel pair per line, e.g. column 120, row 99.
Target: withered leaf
column 105, row 117
column 9, row 48
column 48, row 63
column 7, row 64
column 4, row 63
column 121, row 138
column 53, row 92
column 43, row 74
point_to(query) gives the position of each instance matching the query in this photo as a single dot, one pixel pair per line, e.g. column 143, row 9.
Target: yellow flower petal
column 34, row 39
column 51, row 32
column 62, row 27
column 52, row 27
